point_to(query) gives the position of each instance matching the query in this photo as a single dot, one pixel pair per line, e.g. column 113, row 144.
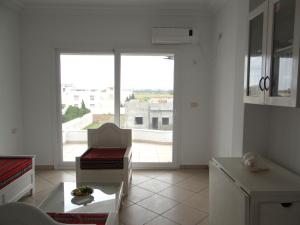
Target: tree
column 74, row 112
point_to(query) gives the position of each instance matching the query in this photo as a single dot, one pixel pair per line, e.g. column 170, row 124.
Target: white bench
column 21, row 186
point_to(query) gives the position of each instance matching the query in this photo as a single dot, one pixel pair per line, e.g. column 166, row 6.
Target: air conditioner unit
column 168, row 35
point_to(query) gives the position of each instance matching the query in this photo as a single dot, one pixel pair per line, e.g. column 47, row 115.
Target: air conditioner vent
column 168, row 35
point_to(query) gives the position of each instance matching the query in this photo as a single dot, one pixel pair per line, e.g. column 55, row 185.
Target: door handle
column 260, row 87
column 267, row 86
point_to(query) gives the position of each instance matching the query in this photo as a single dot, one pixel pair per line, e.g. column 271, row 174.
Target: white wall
column 10, row 98
column 229, row 41
column 284, row 137
column 274, row 132
column 256, row 129
column 41, row 33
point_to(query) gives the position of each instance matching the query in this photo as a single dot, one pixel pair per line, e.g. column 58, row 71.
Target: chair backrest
column 109, row 135
column 17, row 213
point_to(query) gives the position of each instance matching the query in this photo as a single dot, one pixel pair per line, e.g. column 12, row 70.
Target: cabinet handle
column 286, row 204
column 260, row 87
column 265, row 83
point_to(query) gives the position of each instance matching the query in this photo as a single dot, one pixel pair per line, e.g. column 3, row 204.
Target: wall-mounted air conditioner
column 168, row 35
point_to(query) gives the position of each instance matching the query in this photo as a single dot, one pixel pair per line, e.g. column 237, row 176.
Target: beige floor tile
column 42, row 184
column 161, row 221
column 196, row 172
column 41, row 196
column 171, row 178
column 198, row 201
column 136, row 215
column 158, row 204
column 194, row 185
column 59, row 176
column 185, row 215
column 204, row 222
column 176, row 193
column 137, row 179
column 154, row 185
column 150, row 173
column 205, row 192
column 137, row 194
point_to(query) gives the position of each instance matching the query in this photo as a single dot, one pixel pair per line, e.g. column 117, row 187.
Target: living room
column 212, row 118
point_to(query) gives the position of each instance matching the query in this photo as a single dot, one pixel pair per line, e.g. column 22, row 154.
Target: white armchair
column 23, row 214
column 108, row 136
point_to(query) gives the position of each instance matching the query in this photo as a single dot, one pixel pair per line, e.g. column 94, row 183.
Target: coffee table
column 106, row 198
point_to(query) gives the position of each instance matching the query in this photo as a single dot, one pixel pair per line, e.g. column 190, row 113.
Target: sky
column 137, row 71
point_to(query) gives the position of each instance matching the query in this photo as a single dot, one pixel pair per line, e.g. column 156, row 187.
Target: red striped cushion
column 12, row 168
column 103, row 158
column 104, row 154
column 79, row 218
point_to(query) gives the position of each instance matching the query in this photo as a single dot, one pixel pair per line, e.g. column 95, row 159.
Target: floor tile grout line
column 200, row 221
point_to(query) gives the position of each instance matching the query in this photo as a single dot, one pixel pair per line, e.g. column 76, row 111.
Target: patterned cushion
column 103, row 158
column 79, row 218
column 12, row 168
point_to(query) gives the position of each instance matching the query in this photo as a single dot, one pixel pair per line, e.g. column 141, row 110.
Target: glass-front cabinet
column 256, row 58
column 272, row 65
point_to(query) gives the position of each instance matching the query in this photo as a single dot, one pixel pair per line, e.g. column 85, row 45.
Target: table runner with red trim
column 12, row 168
column 103, row 158
column 79, row 218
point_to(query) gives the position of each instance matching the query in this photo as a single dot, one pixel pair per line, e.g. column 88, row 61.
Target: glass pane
column 282, row 58
column 255, row 63
column 253, row 4
column 87, row 97
column 147, row 105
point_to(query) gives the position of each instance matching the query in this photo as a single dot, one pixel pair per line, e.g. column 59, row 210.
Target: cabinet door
column 255, row 64
column 279, row 214
column 283, row 53
column 228, row 204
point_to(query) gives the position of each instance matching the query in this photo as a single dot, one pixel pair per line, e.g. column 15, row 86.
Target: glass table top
column 104, row 199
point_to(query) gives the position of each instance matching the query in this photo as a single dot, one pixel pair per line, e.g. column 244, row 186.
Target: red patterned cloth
column 103, row 158
column 12, row 168
column 79, row 218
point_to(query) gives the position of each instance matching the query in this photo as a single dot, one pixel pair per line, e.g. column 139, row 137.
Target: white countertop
column 276, row 179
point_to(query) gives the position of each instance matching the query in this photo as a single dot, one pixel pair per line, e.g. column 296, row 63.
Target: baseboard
column 44, row 167
column 193, row 167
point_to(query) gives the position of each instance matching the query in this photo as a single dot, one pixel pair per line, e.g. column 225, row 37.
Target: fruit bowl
column 82, row 191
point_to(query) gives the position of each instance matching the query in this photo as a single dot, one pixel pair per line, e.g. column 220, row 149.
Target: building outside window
column 165, row 121
column 92, row 105
column 76, row 97
column 92, row 97
column 138, row 120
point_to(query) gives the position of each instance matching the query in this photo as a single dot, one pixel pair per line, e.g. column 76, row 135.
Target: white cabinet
column 272, row 60
column 240, row 197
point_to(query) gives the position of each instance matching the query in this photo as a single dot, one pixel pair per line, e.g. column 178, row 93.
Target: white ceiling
column 200, row 4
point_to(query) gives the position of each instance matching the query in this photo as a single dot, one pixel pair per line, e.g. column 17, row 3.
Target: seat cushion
column 12, row 168
column 103, row 158
column 79, row 218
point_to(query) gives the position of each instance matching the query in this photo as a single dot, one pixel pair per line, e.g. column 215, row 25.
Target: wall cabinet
column 272, row 62
column 240, row 197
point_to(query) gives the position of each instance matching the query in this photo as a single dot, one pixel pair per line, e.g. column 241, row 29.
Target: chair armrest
column 127, row 152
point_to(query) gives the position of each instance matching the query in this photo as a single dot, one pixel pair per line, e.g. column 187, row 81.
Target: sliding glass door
column 147, row 82
column 87, row 98
column 134, row 91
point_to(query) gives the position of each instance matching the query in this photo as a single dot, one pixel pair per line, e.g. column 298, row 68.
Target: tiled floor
column 141, row 151
column 157, row 197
